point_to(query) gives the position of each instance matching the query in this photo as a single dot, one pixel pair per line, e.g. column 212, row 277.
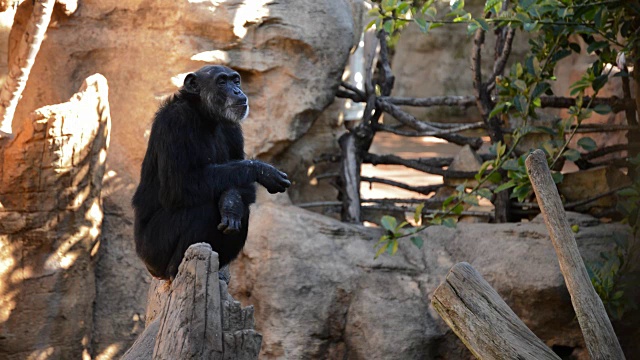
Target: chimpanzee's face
column 220, row 92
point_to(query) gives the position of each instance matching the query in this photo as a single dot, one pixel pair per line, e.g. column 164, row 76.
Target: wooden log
column 483, row 321
column 598, row 333
column 195, row 317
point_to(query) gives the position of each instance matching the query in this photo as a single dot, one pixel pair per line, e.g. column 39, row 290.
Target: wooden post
column 598, row 333
column 483, row 321
column 195, row 317
column 350, row 179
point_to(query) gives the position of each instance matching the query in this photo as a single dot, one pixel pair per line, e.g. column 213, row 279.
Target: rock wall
column 291, row 56
column 50, row 219
column 318, row 292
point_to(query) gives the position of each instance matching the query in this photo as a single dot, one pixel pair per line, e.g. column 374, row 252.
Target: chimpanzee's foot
column 224, row 274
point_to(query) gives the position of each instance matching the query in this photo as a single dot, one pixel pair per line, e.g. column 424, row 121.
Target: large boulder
column 319, row 293
column 50, row 218
column 291, row 56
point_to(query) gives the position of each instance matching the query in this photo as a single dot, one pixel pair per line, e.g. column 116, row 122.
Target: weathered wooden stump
column 195, row 317
column 482, row 320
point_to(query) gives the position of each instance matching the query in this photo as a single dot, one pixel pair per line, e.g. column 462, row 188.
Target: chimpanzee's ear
column 191, row 84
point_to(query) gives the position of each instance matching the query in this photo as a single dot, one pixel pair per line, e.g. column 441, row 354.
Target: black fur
column 195, row 185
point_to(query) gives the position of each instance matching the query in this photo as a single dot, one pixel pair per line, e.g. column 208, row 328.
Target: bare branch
column 501, row 61
column 417, row 165
column 617, row 104
column 353, row 89
column 428, row 133
column 411, row 121
column 426, row 190
column 461, row 101
column 348, row 95
column 387, row 79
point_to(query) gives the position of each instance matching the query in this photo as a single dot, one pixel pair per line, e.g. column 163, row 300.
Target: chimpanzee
column 195, row 185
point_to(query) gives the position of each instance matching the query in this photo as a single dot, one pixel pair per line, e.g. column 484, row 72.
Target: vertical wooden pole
column 598, row 333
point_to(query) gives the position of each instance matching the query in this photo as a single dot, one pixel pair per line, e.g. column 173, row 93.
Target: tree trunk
column 21, row 64
column 195, row 317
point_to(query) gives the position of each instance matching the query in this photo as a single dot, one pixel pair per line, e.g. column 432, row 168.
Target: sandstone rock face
column 318, row 293
column 50, row 219
column 291, row 56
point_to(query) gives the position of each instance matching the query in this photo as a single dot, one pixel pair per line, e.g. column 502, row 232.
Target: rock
column 291, row 58
column 51, row 213
column 443, row 57
column 585, row 184
column 465, row 160
column 195, row 317
column 318, row 292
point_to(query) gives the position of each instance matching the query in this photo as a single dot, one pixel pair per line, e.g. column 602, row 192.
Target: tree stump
column 195, row 317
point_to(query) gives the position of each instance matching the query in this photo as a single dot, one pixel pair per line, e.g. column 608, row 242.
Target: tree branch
column 411, row 121
column 428, row 133
column 417, row 165
column 426, row 190
column 501, row 61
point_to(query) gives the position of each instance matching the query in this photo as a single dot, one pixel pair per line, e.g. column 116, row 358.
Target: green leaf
column 520, row 85
column 530, row 26
column 509, row 184
column 388, row 222
column 617, row 295
column 485, row 193
column 571, row 154
column 587, row 143
column 400, row 226
column 458, row 4
column 402, row 7
column 449, row 222
column 417, row 215
column 417, row 241
column 495, row 177
column 431, row 12
column 602, row 109
column 370, row 24
column 599, row 82
column 521, row 104
column 422, row 24
column 394, row 248
column 381, row 250
column 382, row 239
column 499, row 108
column 511, row 164
column 388, row 26
column 491, row 4
column 628, row 192
column 557, row 177
column 483, row 24
column 457, row 209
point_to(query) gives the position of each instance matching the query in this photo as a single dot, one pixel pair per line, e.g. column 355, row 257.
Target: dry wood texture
column 598, row 333
column 483, row 321
column 196, row 318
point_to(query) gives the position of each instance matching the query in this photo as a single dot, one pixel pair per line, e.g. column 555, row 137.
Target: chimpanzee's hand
column 231, row 211
column 272, row 179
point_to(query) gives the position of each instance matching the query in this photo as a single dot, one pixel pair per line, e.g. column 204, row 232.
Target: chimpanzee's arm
column 184, row 183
